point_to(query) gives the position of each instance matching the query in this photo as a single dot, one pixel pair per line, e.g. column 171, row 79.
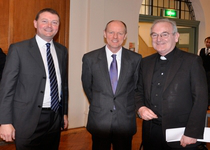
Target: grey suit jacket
column 23, row 84
column 97, row 87
column 185, row 97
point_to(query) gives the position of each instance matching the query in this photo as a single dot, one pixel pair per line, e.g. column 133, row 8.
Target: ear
column 105, row 34
column 35, row 24
column 176, row 37
column 125, row 36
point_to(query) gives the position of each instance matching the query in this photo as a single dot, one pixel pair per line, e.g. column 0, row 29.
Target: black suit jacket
column 97, row 86
column 206, row 59
column 184, row 100
column 23, row 84
column 2, row 62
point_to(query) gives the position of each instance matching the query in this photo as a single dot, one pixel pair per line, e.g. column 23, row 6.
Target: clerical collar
column 163, row 58
column 168, row 56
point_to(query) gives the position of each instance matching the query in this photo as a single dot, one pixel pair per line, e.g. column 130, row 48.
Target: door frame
column 188, row 36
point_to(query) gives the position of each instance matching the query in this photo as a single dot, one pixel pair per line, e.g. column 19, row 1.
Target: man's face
column 47, row 25
column 207, row 42
column 163, row 38
column 115, row 35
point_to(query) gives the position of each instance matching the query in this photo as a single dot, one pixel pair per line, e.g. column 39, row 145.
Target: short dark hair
column 208, row 38
column 118, row 21
column 50, row 10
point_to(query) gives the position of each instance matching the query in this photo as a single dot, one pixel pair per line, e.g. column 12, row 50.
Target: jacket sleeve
column 87, row 77
column 139, row 94
column 196, row 121
column 7, row 86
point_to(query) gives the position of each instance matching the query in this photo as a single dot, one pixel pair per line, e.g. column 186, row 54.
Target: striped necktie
column 53, row 81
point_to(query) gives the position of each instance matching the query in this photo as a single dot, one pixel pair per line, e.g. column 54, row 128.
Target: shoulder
column 184, row 54
column 22, row 46
column 131, row 53
column 202, row 52
column 202, row 49
column 60, row 46
column 189, row 59
column 150, row 57
column 95, row 53
column 2, row 54
column 24, row 42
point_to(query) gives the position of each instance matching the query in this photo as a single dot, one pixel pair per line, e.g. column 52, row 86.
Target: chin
column 160, row 51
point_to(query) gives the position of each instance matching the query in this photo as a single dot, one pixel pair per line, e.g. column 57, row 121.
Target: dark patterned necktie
column 113, row 73
column 53, row 81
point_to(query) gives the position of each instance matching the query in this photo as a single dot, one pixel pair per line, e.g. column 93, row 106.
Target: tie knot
column 114, row 56
column 48, row 45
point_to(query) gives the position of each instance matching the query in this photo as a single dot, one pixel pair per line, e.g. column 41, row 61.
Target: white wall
column 202, row 11
column 87, row 21
column 79, row 11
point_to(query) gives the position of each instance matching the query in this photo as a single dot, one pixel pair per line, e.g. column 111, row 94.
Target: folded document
column 175, row 134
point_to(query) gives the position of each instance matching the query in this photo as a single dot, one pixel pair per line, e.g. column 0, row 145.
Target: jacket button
column 111, row 110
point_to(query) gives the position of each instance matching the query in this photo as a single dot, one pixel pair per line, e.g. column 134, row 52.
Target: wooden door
column 17, row 20
column 187, row 40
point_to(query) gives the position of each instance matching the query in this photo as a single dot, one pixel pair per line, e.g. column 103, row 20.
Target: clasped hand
column 7, row 132
column 185, row 140
column 146, row 113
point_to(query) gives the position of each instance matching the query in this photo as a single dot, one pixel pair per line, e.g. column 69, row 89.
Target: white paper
column 175, row 134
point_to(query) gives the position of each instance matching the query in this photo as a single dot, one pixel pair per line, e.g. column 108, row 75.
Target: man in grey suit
column 27, row 114
column 172, row 92
column 111, row 118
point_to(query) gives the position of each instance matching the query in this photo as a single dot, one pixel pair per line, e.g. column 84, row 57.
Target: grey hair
column 173, row 24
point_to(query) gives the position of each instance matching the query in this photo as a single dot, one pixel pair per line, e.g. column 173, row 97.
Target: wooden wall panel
column 144, row 49
column 19, row 16
column 4, row 20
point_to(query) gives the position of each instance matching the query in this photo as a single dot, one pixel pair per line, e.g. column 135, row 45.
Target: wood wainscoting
column 17, row 20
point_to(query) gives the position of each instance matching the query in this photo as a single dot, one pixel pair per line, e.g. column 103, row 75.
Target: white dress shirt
column 207, row 51
column 42, row 47
column 118, row 58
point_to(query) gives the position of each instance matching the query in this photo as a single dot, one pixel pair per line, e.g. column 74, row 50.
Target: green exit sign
column 171, row 13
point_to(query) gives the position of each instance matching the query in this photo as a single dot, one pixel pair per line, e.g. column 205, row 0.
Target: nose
column 49, row 24
column 159, row 37
column 115, row 35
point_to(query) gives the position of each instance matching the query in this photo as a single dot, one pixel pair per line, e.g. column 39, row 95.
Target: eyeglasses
column 163, row 35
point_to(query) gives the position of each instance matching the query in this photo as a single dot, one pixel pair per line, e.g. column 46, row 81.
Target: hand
column 7, row 132
column 65, row 119
column 146, row 113
column 185, row 140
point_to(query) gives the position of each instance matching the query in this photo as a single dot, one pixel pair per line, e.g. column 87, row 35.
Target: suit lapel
column 104, row 69
column 148, row 75
column 59, row 57
column 124, row 68
column 173, row 69
column 35, row 53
